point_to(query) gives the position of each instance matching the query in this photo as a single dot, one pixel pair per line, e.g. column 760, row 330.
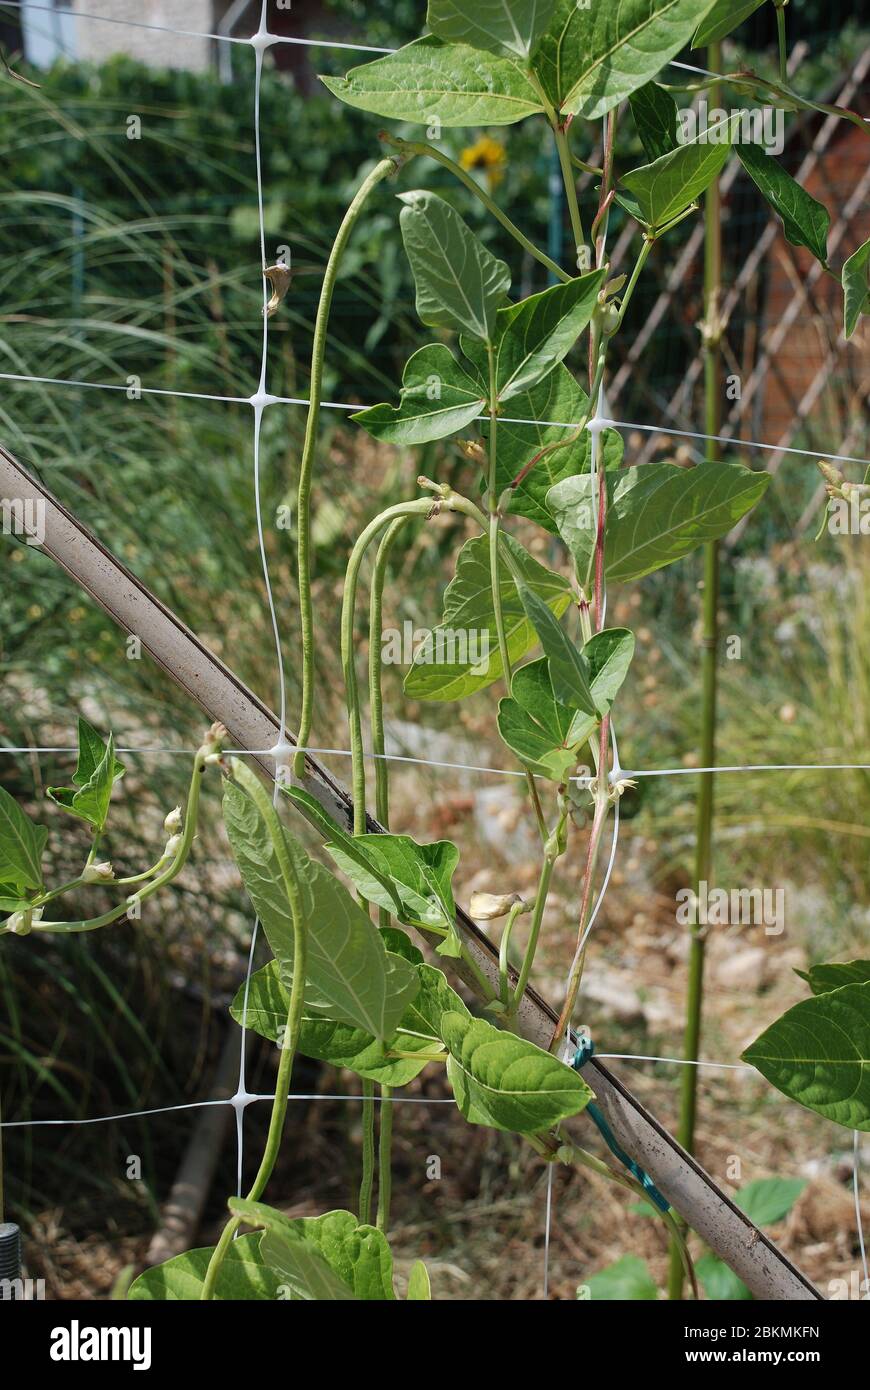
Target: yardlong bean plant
column 519, row 383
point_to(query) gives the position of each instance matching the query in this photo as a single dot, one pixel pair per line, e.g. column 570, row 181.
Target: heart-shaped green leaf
column 433, row 1000
column 593, row 56
column 806, row 221
column 656, row 514
column 430, row 82
column 657, row 119
column 350, row 977
column 500, row 26
column 542, row 417
column 355, row 1255
column 461, row 655
column 21, row 846
column 818, row 1053
column 460, row 284
column 569, row 671
column 438, row 398
column 262, row 1004
column 505, row 1082
column 243, row 1275
column 673, row 182
column 768, row 1200
column 531, row 338
column 856, row 288
column 544, row 734
column 723, row 19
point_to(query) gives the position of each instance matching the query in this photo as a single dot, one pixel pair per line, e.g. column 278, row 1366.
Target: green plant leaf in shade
column 448, row 669
column 768, row 1200
column 243, row 1275
column 411, row 881
column 504, row 1081
column 856, row 288
column 339, row 1044
column 460, row 284
column 532, row 337
column 569, row 671
column 419, row 1286
column 723, row 19
column 657, row 119
column 626, row 1280
column 673, row 182
column 543, row 733
column 818, row 1053
column 720, row 1284
column 438, row 398
column 434, row 999
column 806, row 221
column 656, row 514
column 21, row 846
column 823, row 978
column 303, row 1273
column 399, row 943
column 356, row 1255
column 350, row 977
column 429, row 81
column 556, row 401
column 594, row 56
column 500, row 26
column 96, row 772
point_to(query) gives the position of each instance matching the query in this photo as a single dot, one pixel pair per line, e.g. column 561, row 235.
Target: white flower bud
column 98, row 873
column 484, row 907
column 173, row 845
column 173, row 822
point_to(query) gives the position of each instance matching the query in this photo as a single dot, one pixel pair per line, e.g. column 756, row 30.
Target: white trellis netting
column 260, row 401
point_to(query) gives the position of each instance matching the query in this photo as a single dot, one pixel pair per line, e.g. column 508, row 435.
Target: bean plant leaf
column 657, row 119
column 593, row 56
column 569, row 671
column 96, row 772
column 541, row 417
column 461, row 655
column 460, row 284
column 262, row 1004
column 508, row 1083
column 243, row 1275
column 350, row 976
column 656, row 514
column 823, row 978
column 723, row 19
column 438, row 398
column 627, row 1280
column 357, row 1256
column 409, row 880
column 818, row 1053
column 673, row 182
column 856, row 288
column 544, row 734
column 22, row 844
column 532, row 337
column 805, row 220
column 768, row 1200
column 419, row 1286
column 434, row 999
column 500, row 26
column 429, row 82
